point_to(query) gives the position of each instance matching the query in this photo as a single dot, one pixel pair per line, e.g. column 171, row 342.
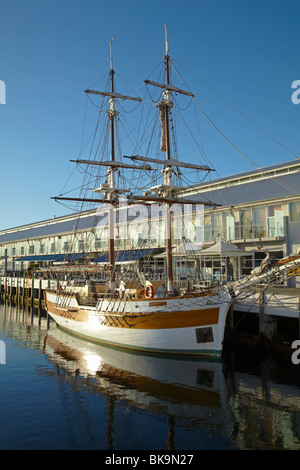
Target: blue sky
column 246, row 51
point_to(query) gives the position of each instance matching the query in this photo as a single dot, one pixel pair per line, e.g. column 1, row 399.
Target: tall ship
column 139, row 312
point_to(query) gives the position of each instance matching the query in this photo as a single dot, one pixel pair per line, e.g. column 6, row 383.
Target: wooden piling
column 299, row 316
column 267, row 323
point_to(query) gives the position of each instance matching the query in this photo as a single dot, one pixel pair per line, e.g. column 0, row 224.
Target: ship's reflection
column 245, row 401
column 189, row 390
column 253, row 400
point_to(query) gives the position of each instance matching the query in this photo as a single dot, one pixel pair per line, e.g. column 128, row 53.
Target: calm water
column 59, row 392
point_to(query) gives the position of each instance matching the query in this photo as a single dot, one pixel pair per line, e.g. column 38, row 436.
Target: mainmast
column 167, row 192
column 165, row 105
column 112, row 114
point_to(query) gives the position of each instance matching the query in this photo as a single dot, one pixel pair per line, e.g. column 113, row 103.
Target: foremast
column 111, row 192
column 108, row 189
column 112, row 114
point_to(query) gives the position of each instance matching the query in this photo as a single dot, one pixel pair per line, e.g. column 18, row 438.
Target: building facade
column 256, row 211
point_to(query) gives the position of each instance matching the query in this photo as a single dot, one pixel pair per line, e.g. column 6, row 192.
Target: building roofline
column 239, row 177
column 262, row 171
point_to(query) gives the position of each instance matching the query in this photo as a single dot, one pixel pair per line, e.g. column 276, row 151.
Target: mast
column 166, row 104
column 111, row 176
column 109, row 189
column 168, row 191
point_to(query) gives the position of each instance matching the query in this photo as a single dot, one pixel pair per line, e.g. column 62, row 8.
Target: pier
column 268, row 319
column 25, row 290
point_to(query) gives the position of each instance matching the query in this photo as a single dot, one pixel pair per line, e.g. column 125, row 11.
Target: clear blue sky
column 246, row 51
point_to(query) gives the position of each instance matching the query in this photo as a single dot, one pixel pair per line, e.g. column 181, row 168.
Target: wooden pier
column 25, row 290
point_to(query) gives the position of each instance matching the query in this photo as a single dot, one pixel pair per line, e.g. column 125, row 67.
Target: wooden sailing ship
column 138, row 314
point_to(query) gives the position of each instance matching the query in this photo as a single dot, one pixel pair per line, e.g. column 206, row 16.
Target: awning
column 125, row 256
column 224, row 249
column 54, row 257
column 184, row 249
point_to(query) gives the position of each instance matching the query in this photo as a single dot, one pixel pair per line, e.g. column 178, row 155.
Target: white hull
column 201, row 338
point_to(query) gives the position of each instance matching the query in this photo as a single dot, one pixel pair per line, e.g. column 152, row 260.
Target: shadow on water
column 108, row 398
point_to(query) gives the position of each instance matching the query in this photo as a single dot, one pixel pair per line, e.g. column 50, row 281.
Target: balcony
column 245, row 232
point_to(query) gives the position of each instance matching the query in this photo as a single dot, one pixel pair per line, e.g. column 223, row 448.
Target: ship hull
column 175, row 326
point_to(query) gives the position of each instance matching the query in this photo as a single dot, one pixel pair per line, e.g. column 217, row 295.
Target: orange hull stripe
column 180, row 319
column 150, row 321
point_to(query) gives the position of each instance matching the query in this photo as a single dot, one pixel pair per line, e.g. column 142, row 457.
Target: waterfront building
column 256, row 211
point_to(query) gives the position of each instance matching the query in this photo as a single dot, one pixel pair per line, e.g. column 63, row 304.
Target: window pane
column 295, row 211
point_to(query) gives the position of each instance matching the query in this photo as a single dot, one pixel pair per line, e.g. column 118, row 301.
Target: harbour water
column 61, row 392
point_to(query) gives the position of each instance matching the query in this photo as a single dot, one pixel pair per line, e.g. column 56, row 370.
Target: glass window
column 207, row 228
column 272, row 209
column 229, row 225
column 295, row 211
column 259, row 221
column 275, row 221
column 246, row 223
column 246, row 265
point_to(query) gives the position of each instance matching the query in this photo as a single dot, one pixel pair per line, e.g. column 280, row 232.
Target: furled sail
column 162, row 115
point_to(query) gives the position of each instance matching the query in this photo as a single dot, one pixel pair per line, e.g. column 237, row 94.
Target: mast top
column 111, row 55
column 166, row 39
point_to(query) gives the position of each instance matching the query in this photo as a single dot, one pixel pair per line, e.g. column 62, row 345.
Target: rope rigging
column 149, row 133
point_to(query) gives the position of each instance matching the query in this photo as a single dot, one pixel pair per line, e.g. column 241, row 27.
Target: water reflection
column 245, row 401
column 174, row 388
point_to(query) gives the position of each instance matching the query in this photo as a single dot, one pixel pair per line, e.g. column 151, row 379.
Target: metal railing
column 242, row 232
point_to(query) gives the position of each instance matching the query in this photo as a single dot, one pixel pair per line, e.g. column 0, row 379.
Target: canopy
column 54, row 257
column 224, row 248
column 184, row 249
column 125, row 256
column 187, row 248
